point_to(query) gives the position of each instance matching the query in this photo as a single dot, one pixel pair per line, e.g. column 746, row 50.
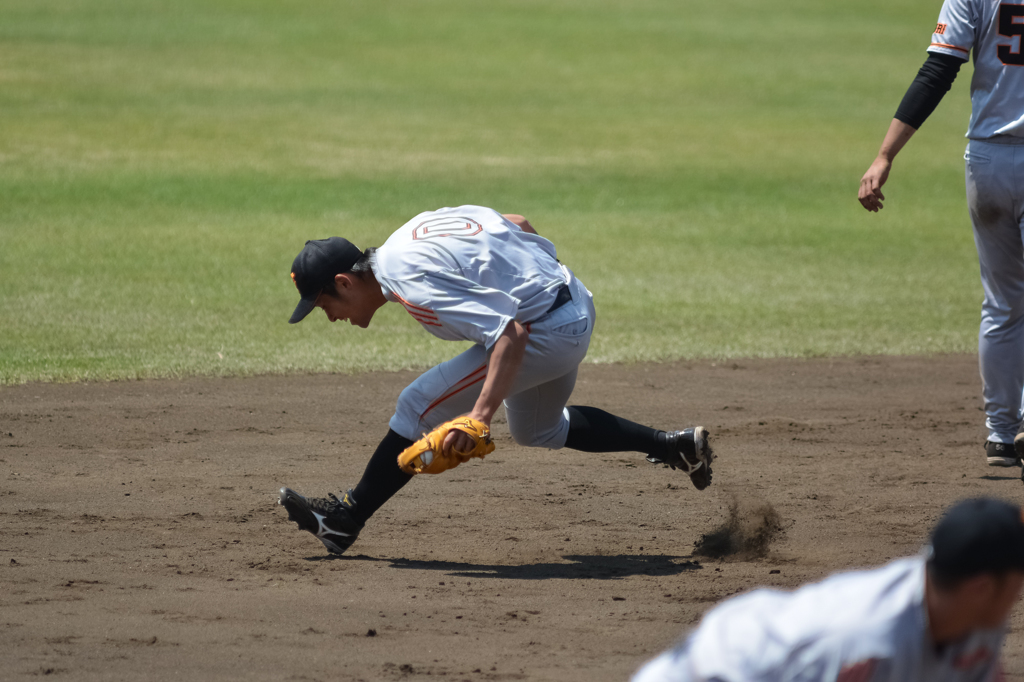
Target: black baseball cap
column 315, row 267
column 982, row 535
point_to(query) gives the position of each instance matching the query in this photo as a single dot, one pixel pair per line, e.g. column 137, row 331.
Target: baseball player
column 992, row 29
column 470, row 274
column 940, row 616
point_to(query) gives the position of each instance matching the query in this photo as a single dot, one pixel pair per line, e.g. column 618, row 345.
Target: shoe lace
column 325, row 505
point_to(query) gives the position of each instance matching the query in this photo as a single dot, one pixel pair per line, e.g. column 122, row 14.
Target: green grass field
column 695, row 162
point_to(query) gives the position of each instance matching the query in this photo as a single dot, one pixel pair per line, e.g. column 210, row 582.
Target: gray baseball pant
column 994, row 171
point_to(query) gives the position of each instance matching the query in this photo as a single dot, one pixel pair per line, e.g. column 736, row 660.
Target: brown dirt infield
column 141, row 537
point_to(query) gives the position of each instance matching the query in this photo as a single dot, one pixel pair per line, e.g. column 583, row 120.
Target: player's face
column 1005, row 593
column 353, row 302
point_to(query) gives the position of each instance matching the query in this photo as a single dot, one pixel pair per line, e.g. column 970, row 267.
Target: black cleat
column 330, row 520
column 1001, row 454
column 690, row 451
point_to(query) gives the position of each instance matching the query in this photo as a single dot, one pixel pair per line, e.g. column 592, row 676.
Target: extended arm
column 933, row 81
column 502, row 369
column 870, row 193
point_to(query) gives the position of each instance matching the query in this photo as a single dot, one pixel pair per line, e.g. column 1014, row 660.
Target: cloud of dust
column 747, row 534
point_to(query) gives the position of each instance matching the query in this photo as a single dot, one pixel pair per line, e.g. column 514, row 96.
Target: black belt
column 1004, row 139
column 562, row 297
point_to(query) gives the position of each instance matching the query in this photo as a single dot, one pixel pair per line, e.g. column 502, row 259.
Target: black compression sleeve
column 594, row 430
column 382, row 478
column 933, row 81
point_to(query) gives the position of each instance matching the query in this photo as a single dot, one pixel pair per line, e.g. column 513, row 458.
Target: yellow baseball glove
column 425, row 456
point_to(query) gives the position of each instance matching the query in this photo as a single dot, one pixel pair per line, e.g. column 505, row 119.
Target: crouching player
column 471, row 274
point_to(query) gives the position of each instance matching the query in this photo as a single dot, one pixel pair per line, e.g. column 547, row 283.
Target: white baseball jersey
column 464, row 273
column 863, row 626
column 993, row 29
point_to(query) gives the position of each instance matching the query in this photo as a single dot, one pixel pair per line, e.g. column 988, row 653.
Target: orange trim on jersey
column 424, row 318
column 952, row 47
column 416, row 308
column 459, row 387
column 410, row 305
column 421, row 317
column 418, row 315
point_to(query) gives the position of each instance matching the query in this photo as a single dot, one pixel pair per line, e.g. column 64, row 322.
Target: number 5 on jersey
column 1011, row 23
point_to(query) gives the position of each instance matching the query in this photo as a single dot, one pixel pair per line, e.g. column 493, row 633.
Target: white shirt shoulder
column 464, row 273
column 992, row 30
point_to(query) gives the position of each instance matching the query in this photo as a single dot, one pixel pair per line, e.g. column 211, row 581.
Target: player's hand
column 460, row 441
column 870, row 193
column 435, row 452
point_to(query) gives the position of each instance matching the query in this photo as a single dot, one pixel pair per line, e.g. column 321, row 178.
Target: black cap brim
column 316, row 266
column 305, row 307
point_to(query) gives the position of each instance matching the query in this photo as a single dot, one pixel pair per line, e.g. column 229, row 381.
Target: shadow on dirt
column 993, row 477
column 583, row 567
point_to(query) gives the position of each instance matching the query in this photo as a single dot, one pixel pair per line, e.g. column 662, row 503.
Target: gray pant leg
column 994, row 176
column 537, row 416
column 536, row 409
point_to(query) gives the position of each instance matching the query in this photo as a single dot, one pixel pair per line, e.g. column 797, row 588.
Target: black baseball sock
column 594, row 430
column 382, row 477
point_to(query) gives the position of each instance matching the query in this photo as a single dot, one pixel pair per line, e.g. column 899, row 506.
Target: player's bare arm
column 933, row 81
column 519, row 220
column 502, row 369
column 870, row 193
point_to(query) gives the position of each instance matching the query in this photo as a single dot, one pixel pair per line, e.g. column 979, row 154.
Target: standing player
column 468, row 273
column 927, row 619
column 995, row 188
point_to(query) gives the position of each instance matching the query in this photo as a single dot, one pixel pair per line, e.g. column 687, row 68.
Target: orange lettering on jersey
column 940, row 29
